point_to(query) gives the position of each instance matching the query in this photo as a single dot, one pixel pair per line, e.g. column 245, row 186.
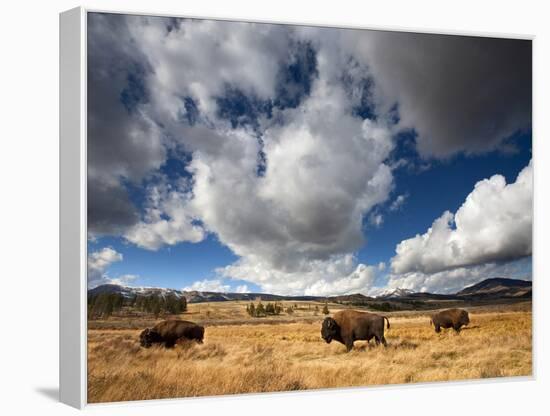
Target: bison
column 450, row 318
column 171, row 332
column 348, row 326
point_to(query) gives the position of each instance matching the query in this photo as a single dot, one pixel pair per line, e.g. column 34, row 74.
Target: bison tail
column 388, row 322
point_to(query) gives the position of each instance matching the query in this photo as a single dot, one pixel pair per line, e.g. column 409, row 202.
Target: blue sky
column 297, row 161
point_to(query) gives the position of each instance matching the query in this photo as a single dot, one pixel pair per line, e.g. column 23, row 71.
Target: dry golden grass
column 292, row 356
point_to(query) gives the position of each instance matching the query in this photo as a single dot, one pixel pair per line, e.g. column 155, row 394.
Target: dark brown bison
column 349, row 326
column 171, row 332
column 450, row 318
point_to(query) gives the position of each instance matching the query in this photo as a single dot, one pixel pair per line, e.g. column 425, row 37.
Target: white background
column 29, row 206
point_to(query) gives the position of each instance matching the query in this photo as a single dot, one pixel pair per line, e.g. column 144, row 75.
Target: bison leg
column 349, row 345
column 437, row 328
column 169, row 344
column 381, row 339
column 457, row 328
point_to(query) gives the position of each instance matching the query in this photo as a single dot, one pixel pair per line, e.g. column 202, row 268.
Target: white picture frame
column 73, row 201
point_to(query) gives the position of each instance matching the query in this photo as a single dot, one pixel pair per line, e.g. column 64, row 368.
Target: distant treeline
column 104, row 305
column 259, row 310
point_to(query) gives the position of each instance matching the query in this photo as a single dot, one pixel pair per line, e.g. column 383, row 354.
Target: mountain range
column 489, row 290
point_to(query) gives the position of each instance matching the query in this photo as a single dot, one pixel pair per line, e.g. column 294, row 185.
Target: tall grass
column 292, row 356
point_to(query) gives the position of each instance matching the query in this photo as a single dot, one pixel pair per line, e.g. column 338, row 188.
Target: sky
column 242, row 157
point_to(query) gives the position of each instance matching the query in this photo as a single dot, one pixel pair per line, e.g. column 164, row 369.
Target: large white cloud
column 493, row 224
column 324, row 168
column 325, row 171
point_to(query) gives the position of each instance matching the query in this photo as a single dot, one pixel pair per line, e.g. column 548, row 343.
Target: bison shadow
column 394, row 345
column 467, row 328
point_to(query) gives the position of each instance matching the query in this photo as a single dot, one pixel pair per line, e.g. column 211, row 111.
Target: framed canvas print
column 251, row 207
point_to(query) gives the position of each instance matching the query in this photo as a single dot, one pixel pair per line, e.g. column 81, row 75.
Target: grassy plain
column 241, row 354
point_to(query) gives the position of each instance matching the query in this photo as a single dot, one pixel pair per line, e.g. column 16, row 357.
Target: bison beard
column 349, row 326
column 450, row 318
column 171, row 332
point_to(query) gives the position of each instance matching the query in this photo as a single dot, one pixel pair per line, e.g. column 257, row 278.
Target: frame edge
column 72, row 209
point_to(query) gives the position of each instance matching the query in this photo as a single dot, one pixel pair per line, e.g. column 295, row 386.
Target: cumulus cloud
column 98, row 263
column 303, row 209
column 493, row 224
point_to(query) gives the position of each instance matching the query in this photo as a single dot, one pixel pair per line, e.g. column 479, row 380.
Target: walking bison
column 348, row 326
column 450, row 318
column 171, row 332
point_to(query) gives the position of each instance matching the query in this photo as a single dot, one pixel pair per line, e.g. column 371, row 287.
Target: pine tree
column 325, row 309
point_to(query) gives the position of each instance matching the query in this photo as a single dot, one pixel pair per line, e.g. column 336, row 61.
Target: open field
column 246, row 355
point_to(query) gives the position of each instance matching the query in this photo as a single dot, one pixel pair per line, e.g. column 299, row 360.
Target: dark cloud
column 110, row 211
column 123, row 144
column 460, row 93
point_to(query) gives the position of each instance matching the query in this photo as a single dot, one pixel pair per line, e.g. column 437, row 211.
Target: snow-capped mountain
column 395, row 293
column 128, row 291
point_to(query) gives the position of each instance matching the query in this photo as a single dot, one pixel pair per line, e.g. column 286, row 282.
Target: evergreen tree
column 325, row 309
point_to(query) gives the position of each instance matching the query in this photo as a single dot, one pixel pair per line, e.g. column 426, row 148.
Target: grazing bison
column 170, row 332
column 348, row 326
column 450, row 318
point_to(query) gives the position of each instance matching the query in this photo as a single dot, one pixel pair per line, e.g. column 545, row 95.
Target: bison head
column 330, row 330
column 148, row 337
